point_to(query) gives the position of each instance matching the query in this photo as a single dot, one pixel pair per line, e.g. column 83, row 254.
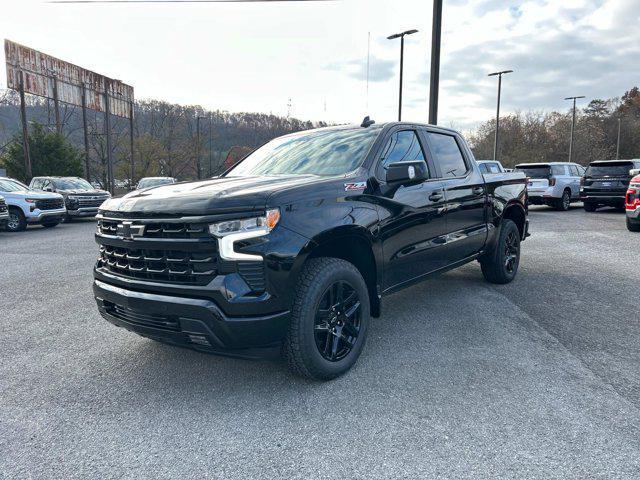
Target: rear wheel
column 501, row 265
column 633, row 226
column 565, row 202
column 16, row 222
column 590, row 207
column 329, row 319
column 50, row 224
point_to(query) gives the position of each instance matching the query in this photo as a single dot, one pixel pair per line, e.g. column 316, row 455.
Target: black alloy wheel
column 337, row 321
column 511, row 251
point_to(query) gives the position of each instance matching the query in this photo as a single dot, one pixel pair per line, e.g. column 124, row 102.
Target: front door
column 412, row 223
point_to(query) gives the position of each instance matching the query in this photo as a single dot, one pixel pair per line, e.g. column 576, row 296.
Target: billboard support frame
column 25, row 128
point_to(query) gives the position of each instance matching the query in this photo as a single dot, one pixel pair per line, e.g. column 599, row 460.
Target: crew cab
column 30, row 207
column 605, row 183
column 80, row 197
column 632, row 202
column 555, row 184
column 294, row 248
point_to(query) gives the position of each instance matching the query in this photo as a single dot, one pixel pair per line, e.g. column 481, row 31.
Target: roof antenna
column 367, row 122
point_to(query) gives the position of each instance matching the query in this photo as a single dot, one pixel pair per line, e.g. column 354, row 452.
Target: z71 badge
column 355, row 186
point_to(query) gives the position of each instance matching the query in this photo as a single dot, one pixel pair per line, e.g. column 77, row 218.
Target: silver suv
column 555, row 184
column 4, row 213
column 28, row 206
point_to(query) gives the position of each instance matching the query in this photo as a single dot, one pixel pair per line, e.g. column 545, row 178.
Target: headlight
column 265, row 224
column 30, row 200
column 231, row 231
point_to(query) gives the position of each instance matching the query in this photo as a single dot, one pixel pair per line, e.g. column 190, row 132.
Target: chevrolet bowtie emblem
column 127, row 231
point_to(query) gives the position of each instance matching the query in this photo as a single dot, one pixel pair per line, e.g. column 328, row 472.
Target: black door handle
column 435, row 196
column 477, row 190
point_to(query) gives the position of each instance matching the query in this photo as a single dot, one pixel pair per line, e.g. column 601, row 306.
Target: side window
column 36, row 183
column 447, row 155
column 494, row 168
column 402, row 146
column 557, row 170
column 45, row 184
column 574, row 170
column 483, row 168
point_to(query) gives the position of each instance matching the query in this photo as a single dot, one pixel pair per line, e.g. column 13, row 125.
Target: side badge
column 355, row 186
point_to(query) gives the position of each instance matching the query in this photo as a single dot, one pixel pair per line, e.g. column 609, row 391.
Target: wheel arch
column 516, row 213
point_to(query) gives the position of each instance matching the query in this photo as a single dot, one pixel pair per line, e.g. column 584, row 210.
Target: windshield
column 154, row 182
column 616, row 169
column 314, row 152
column 540, row 171
column 72, row 184
column 9, row 186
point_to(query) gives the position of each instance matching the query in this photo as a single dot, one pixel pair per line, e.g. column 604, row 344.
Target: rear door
column 465, row 195
column 412, row 220
column 575, row 180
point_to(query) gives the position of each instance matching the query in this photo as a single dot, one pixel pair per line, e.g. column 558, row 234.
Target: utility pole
column 401, row 37
column 25, row 130
column 210, row 145
column 107, row 127
column 495, row 142
column 573, row 124
column 131, row 144
column 434, row 83
column 56, row 105
column 199, row 170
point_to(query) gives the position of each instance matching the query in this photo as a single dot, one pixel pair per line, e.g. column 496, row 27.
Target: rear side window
column 447, row 155
column 611, row 168
column 574, row 170
column 558, row 170
column 36, row 184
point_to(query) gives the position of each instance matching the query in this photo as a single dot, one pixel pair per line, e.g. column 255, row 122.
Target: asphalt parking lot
column 459, row 379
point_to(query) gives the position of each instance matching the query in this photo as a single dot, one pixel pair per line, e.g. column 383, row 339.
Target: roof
column 623, row 160
column 545, row 164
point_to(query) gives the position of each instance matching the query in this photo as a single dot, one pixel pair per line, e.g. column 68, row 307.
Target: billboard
column 50, row 77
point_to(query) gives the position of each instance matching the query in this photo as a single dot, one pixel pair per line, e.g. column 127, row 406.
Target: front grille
column 182, row 267
column 253, row 274
column 50, row 204
column 91, row 202
column 161, row 230
column 138, row 317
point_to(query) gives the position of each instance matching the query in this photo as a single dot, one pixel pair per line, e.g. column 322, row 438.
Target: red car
column 632, row 204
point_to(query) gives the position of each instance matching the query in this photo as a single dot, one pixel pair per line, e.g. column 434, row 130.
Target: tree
column 51, row 154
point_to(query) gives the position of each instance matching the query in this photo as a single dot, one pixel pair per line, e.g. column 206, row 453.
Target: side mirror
column 48, row 189
column 405, row 173
column 634, row 171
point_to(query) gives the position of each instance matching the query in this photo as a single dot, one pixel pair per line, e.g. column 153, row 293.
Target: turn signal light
column 552, row 182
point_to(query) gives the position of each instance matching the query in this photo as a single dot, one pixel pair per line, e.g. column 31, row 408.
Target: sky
column 256, row 56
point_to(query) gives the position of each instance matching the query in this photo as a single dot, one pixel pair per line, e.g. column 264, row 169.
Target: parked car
column 80, row 197
column 4, row 213
column 298, row 243
column 632, row 202
column 30, row 207
column 148, row 182
column 605, row 183
column 490, row 166
column 555, row 184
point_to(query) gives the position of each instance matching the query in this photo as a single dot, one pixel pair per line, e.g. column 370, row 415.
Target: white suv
column 4, row 213
column 28, row 206
column 555, row 184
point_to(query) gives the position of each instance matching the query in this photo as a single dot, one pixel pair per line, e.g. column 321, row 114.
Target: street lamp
column 495, row 143
column 573, row 124
column 401, row 37
column 434, row 81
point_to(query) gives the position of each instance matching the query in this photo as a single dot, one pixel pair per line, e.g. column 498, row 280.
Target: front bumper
column 189, row 322
column 83, row 212
column 634, row 214
column 39, row 216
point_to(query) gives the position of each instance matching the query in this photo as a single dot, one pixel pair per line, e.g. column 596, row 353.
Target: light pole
column 573, row 124
column 434, row 83
column 198, row 168
column 618, row 141
column 401, row 37
column 495, row 143
column 210, row 145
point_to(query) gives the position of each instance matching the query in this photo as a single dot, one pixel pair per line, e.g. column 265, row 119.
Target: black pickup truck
column 293, row 249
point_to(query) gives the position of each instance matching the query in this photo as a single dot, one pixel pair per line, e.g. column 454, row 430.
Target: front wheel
column 633, row 226
column 501, row 265
column 329, row 319
column 590, row 207
column 17, row 222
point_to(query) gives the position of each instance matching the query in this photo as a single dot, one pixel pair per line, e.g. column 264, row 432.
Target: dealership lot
column 460, row 378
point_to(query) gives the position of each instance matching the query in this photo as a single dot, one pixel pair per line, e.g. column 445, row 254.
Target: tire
column 68, row 219
column 501, row 265
column 323, row 343
column 17, row 222
column 621, row 208
column 564, row 202
column 50, row 224
column 633, row 226
column 590, row 207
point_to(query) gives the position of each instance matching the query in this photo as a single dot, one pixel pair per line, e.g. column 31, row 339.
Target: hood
column 212, row 196
column 84, row 191
column 37, row 194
